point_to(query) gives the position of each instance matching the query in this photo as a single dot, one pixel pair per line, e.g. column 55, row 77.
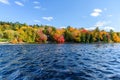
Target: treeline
column 20, row 33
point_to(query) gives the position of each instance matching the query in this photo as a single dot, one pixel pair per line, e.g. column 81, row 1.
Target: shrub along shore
column 23, row 33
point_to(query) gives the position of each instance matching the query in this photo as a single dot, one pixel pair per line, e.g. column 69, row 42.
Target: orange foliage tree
column 41, row 37
column 58, row 36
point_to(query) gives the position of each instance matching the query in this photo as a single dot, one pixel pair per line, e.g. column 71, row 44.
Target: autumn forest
column 23, row 33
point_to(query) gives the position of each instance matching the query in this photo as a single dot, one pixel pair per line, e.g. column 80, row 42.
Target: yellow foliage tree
column 116, row 38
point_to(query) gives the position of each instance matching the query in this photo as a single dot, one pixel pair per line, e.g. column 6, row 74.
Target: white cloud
column 37, row 21
column 96, row 12
column 36, row 2
column 37, row 7
column 108, row 28
column 63, row 27
column 48, row 24
column 4, row 1
column 19, row 3
column 90, row 28
column 48, row 18
column 104, row 25
column 100, row 23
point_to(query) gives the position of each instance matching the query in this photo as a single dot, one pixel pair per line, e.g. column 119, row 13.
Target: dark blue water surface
column 60, row 62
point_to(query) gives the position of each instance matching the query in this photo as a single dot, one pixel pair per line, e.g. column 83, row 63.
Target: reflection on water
column 60, row 62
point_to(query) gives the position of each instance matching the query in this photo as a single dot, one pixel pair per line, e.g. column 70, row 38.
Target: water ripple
column 60, row 62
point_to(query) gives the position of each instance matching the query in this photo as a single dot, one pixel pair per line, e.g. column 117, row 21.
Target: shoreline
column 4, row 42
column 56, row 43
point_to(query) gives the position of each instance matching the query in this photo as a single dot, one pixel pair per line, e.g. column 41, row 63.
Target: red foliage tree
column 59, row 38
column 41, row 37
column 84, row 31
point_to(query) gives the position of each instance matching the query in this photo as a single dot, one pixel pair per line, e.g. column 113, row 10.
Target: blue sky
column 61, row 13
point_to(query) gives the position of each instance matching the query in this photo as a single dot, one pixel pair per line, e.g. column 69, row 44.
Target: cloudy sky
column 61, row 13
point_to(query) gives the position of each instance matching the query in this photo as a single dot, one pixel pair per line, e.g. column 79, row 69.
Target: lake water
column 60, row 62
